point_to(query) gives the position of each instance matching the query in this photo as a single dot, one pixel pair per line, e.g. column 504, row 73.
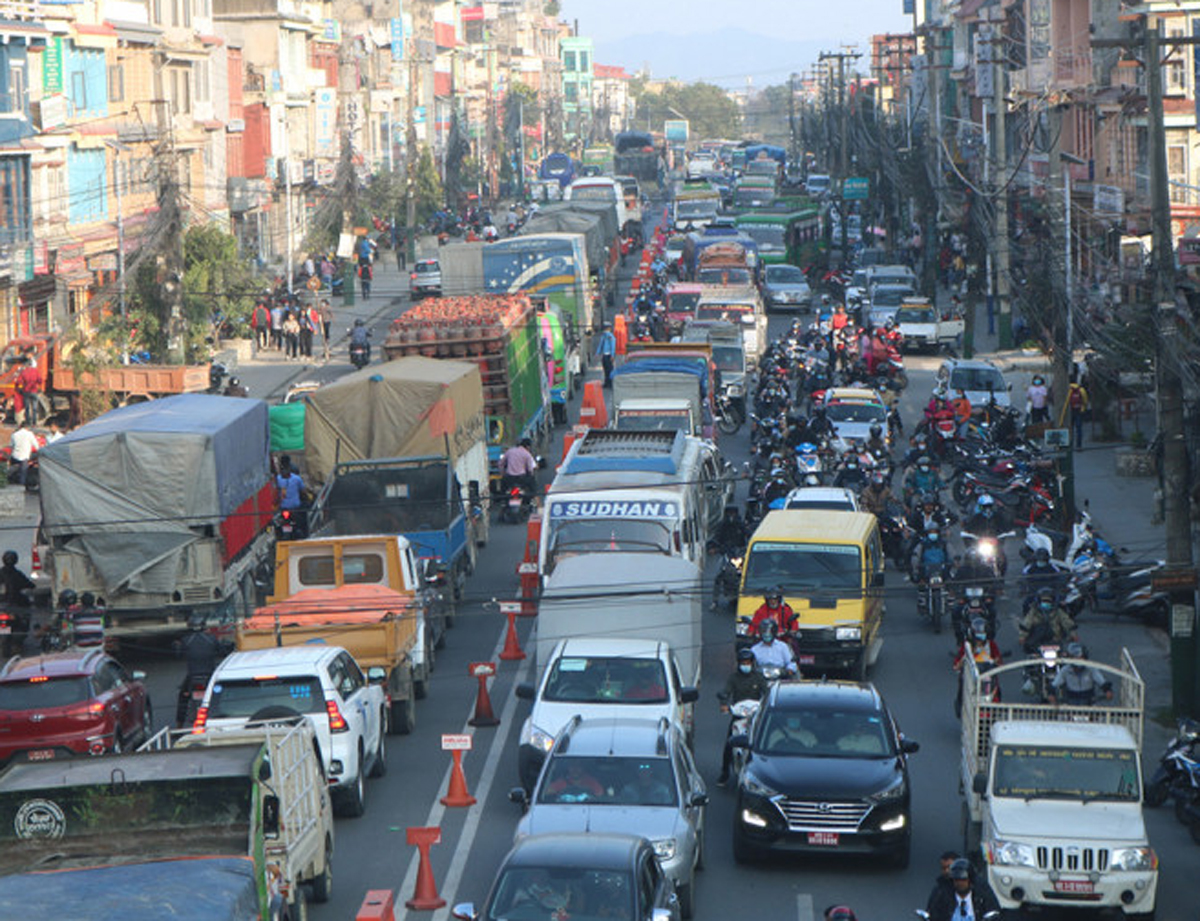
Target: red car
column 79, row 702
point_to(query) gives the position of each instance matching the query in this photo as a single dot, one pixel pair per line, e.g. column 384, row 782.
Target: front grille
column 818, row 815
column 1075, row 859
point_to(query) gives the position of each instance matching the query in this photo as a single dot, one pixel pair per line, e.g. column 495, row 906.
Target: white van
column 654, row 492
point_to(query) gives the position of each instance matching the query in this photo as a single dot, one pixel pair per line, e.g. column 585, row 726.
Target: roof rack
column 621, row 449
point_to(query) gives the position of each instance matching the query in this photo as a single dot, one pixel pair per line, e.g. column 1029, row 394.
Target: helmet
column 745, row 653
column 1042, row 555
column 196, row 621
column 67, row 597
column 825, row 299
column 234, row 382
column 985, row 501
column 839, row 913
column 878, row 477
column 359, row 322
column 767, row 630
column 10, row 557
column 876, row 430
column 1045, row 593
column 924, row 462
column 929, row 498
column 87, row 599
column 774, row 592
column 960, row 869
column 979, row 628
column 1075, row 651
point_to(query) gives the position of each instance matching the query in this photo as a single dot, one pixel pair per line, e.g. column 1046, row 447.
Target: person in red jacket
column 776, row 609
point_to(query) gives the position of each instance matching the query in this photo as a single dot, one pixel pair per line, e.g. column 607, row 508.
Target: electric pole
column 792, row 116
column 1003, row 256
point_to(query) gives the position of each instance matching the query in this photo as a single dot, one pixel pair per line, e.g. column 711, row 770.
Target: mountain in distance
column 726, row 57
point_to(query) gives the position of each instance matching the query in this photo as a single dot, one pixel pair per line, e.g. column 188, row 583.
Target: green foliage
column 428, row 186
column 711, row 112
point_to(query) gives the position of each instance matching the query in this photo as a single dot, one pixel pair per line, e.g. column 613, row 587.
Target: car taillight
column 337, row 723
column 36, row 557
column 201, row 719
column 413, row 276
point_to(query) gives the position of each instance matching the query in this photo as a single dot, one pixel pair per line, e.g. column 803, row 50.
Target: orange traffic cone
column 379, row 905
column 457, row 794
column 483, row 701
column 512, row 650
column 425, row 897
column 620, row 333
column 592, row 411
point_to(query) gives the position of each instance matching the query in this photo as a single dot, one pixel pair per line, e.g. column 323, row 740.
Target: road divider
column 457, row 794
column 425, row 895
column 482, row 671
column 377, row 905
column 512, row 651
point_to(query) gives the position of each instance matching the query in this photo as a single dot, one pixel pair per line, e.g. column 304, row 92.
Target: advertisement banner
column 325, row 119
column 52, row 66
column 397, row 39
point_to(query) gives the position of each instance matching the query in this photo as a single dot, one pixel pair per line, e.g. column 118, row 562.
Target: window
column 569, row 61
column 181, row 89
column 157, row 12
column 1177, row 170
column 584, row 64
column 16, row 91
column 202, row 81
column 116, row 82
column 571, row 92
column 181, row 13
column 79, row 91
column 1175, row 83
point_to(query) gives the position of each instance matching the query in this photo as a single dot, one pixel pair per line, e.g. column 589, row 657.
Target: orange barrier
column 620, row 333
column 379, row 905
column 593, row 412
column 425, row 896
column 484, row 716
column 457, row 795
column 528, row 570
column 512, row 651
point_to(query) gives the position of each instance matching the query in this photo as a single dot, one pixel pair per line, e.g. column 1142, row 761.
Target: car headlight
column 892, row 793
column 752, row 784
column 664, row 848
column 847, row 634
column 1134, row 858
column 1011, row 854
column 540, row 739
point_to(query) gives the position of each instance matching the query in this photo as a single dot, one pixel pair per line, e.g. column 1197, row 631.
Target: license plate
column 1074, row 885
column 823, row 838
column 806, row 660
column 5, row 629
column 42, row 754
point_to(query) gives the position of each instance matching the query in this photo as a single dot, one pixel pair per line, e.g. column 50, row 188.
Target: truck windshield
column 392, row 500
column 725, row 312
column 729, row 359
column 723, row 276
column 1055, row 772
column 915, row 315
column 802, row 568
column 682, row 301
column 598, row 679
column 654, row 420
column 593, row 193
column 244, row 697
column 696, row 208
column 600, row 535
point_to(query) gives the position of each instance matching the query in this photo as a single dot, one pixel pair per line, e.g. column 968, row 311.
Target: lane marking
column 434, row 818
column 804, row 907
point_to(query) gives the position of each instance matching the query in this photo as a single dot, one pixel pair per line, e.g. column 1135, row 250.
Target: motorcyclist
column 1038, row 573
column 876, row 444
column 932, row 558
column 819, row 426
column 1045, row 623
column 876, row 495
column 770, row 653
column 731, row 536
column 984, row 521
column 926, row 515
column 979, row 645
column 519, row 468
column 1077, row 683
column 850, row 473
column 235, row 388
column 773, row 609
column 746, row 683
column 359, row 334
column 922, row 479
column 952, row 904
column 202, row 652
column 919, row 448
column 13, row 582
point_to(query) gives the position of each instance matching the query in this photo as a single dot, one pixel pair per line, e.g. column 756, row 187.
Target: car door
column 690, row 784
column 112, row 692
column 355, row 692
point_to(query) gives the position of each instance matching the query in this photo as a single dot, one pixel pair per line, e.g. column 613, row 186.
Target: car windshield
column 594, row 193
column 976, row 379
column 828, row 505
column 729, row 358
column 785, row 275
column 244, row 697
column 543, row 893
column 682, row 301
column 889, row 297
column 819, row 733
column 802, row 568
column 598, row 535
column 40, row 693
column 424, row 268
column 855, row 412
column 697, row 208
column 608, row 781
column 606, row 680
column 723, row 276
column 915, row 315
column 1061, row 772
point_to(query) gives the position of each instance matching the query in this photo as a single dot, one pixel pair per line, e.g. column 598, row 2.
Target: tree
column 710, row 111
column 428, row 186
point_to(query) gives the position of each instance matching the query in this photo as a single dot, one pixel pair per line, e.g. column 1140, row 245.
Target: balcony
column 20, row 10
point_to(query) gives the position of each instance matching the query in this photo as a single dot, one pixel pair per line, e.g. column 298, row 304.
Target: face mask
column 924, row 469
column 745, row 668
column 933, row 537
column 1046, row 607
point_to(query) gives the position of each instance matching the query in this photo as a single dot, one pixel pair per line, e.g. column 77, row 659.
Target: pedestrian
column 607, row 351
column 291, row 335
column 1077, row 403
column 1037, row 400
column 401, row 250
column 966, row 900
column 24, row 445
column 277, row 314
column 260, row 321
column 326, row 273
column 29, row 386
column 307, row 328
column 55, row 432
column 364, row 275
column 326, row 314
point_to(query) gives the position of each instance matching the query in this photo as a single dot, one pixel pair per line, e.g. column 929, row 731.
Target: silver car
column 785, row 288
column 628, row 776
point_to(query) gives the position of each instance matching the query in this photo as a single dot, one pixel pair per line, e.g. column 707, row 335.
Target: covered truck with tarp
column 661, row 387
column 403, row 442
column 162, row 508
column 635, row 155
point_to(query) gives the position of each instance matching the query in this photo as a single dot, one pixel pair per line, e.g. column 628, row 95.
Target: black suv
column 613, row 876
column 825, row 768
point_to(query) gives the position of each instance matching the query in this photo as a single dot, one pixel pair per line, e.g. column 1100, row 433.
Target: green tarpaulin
column 287, row 427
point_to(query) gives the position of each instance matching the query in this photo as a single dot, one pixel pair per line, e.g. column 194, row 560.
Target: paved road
column 913, row 672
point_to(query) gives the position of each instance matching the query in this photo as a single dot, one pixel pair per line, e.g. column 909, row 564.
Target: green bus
column 793, row 237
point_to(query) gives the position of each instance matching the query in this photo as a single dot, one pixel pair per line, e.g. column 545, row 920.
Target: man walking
column 326, row 314
column 1077, row 403
column 606, row 350
column 29, row 385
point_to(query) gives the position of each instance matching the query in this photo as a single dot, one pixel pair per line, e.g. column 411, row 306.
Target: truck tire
column 322, row 886
column 298, row 909
column 420, row 685
column 404, row 716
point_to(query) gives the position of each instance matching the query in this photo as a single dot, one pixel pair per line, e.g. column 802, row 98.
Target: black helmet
column 197, row 621
column 1042, row 555
column 234, row 382
column 526, row 442
column 876, row 429
column 1045, row 593
column 773, row 592
column 10, row 557
column 359, row 322
column 960, row 869
column 67, row 597
column 768, row 629
column 745, row 653
column 87, row 599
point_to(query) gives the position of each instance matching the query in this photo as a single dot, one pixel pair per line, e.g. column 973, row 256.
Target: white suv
column 348, row 713
column 598, row 678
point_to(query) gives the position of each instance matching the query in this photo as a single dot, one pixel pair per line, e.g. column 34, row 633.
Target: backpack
column 1075, row 397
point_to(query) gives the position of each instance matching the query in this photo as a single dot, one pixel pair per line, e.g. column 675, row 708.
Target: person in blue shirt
column 606, row 351
column 289, row 487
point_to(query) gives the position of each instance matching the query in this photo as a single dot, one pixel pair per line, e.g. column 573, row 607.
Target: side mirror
column 519, row 796
column 270, row 816
column 376, row 674
column 979, row 784
column 698, row 799
column 464, row 911
column 741, row 740
column 1010, row 387
column 909, row 747
column 264, row 770
column 525, row 691
column 689, row 695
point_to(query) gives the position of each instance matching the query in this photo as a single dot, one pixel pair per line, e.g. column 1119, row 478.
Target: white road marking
column 434, row 819
column 804, row 907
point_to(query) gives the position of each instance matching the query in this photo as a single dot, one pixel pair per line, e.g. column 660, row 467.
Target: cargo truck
column 229, row 825
column 500, row 333
column 161, row 508
column 401, row 448
column 635, row 155
column 1053, row 792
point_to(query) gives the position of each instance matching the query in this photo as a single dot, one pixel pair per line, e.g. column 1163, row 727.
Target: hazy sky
column 830, row 23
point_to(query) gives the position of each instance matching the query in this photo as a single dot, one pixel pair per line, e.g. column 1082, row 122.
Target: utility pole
column 1000, row 142
column 843, row 131
column 410, row 157
column 792, row 116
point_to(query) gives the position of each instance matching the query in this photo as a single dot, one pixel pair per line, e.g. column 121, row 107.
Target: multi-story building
column 611, row 100
column 576, row 56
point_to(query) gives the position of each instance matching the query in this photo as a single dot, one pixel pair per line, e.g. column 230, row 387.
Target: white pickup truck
column 1053, row 793
column 924, row 327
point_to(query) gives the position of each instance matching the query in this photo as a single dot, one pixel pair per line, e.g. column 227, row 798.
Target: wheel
column 685, row 894
column 379, row 768
column 1156, row 793
column 1181, row 808
column 354, row 799
column 743, row 850
column 298, row 910
column 728, row 423
column 421, row 685
column 404, row 717
column 322, row 886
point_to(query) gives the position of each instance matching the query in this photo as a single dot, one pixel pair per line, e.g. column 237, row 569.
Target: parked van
column 654, row 492
column 829, row 566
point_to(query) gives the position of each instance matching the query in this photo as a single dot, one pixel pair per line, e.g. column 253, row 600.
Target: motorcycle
column 989, row 550
column 217, row 372
column 808, row 461
column 932, row 600
column 1173, row 763
column 727, row 582
column 729, row 416
column 193, row 693
column 360, row 354
column 742, row 713
column 289, row 525
column 1040, row 674
column 518, row 505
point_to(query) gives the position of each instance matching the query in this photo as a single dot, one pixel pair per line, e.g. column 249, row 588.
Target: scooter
column 1173, row 762
column 360, row 354
column 518, row 506
column 727, row 581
